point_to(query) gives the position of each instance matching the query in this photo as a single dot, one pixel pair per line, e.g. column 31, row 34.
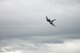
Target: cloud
column 24, row 46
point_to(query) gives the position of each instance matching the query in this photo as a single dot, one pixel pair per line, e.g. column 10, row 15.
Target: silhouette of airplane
column 50, row 21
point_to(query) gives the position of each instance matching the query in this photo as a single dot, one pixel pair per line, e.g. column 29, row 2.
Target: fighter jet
column 50, row 21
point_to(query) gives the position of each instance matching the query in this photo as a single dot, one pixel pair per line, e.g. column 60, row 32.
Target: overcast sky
column 25, row 21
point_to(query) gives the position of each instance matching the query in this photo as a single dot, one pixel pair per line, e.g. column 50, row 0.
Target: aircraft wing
column 53, row 20
column 53, row 24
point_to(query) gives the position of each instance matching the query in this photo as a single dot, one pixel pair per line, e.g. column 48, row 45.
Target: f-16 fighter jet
column 50, row 21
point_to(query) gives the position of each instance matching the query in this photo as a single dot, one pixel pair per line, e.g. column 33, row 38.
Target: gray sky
column 25, row 20
column 27, row 17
